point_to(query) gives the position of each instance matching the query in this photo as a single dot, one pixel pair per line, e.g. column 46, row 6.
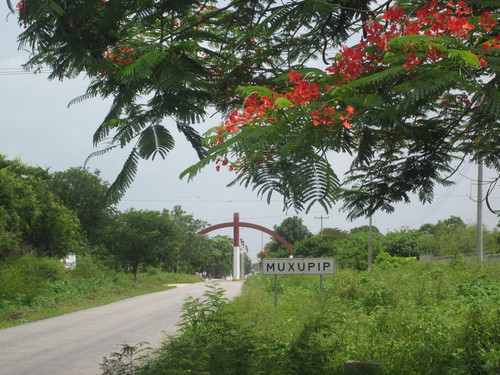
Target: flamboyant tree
column 174, row 59
column 419, row 90
column 417, row 93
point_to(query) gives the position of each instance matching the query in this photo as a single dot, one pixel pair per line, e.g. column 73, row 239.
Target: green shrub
column 23, row 278
column 416, row 320
column 385, row 260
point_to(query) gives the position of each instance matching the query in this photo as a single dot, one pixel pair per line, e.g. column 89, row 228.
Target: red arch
column 249, row 225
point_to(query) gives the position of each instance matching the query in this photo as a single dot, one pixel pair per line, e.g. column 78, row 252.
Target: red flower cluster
column 325, row 116
column 304, row 92
column 486, row 21
column 122, row 56
column 20, row 6
column 255, row 109
column 223, row 162
column 432, row 19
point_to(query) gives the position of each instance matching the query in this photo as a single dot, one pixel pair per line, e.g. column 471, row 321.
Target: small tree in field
column 141, row 238
column 291, row 229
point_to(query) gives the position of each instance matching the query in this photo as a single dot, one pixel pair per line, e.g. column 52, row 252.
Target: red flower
column 303, row 93
column 323, row 117
column 486, row 21
column 393, row 14
column 294, row 76
column 412, row 60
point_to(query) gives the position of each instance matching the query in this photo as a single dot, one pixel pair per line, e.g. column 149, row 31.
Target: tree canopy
column 31, row 217
column 416, row 95
column 85, row 194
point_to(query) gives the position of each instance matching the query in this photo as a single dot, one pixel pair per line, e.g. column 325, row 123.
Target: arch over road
column 253, row 226
column 236, row 224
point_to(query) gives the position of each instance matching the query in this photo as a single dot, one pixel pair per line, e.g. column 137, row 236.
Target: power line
column 444, row 197
column 20, row 71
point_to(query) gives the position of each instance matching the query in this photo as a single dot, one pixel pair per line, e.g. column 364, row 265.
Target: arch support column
column 236, row 246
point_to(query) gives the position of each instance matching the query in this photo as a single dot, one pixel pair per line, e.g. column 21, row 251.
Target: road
column 75, row 343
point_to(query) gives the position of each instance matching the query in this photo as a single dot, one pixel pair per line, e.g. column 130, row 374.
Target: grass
column 25, row 315
column 420, row 319
column 25, row 297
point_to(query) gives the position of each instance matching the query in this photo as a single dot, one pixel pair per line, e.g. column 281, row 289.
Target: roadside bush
column 23, row 278
column 210, row 343
column 385, row 260
column 415, row 320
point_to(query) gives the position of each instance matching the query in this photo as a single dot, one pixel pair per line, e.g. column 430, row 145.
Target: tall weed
column 414, row 320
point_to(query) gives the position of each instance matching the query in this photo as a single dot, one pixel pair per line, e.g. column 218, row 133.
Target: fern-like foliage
column 155, row 140
column 301, row 182
column 125, row 178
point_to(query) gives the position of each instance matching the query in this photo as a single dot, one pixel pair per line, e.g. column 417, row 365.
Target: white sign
column 298, row 266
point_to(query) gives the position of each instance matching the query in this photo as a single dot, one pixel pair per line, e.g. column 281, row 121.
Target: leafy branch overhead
column 416, row 95
column 417, row 92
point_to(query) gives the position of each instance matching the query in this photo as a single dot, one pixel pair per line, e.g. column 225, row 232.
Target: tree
column 221, row 256
column 335, row 234
column 190, row 248
column 31, row 218
column 352, row 253
column 403, row 243
column 453, row 223
column 291, row 229
column 315, row 247
column 322, row 245
column 85, row 194
column 183, row 56
column 141, row 238
column 364, row 229
column 452, row 236
column 418, row 94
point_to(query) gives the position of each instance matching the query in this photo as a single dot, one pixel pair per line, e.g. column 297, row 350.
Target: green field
column 419, row 319
column 34, row 288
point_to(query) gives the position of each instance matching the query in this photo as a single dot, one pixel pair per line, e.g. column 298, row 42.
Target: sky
column 37, row 127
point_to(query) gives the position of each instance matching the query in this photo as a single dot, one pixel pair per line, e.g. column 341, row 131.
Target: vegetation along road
column 75, row 344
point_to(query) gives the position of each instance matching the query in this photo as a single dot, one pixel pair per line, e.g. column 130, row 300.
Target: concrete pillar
column 236, row 243
column 236, row 263
column 242, row 265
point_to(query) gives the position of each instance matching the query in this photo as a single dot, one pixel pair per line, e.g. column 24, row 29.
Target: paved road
column 75, row 343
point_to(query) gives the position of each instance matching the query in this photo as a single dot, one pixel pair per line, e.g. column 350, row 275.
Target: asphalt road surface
column 75, row 343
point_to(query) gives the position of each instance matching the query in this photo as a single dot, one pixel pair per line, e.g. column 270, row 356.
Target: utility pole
column 370, row 250
column 479, row 225
column 321, row 225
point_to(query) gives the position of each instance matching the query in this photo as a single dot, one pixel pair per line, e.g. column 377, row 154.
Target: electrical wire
column 20, row 71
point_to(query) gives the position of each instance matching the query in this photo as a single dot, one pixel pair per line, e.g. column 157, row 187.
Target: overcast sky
column 39, row 128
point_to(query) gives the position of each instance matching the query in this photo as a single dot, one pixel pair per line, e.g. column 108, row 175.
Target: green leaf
column 154, row 140
column 246, row 91
column 416, row 41
column 385, row 76
column 467, row 56
column 282, row 102
column 366, row 100
column 142, row 67
column 125, row 177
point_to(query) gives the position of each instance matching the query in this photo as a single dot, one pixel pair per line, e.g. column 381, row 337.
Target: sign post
column 297, row 266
